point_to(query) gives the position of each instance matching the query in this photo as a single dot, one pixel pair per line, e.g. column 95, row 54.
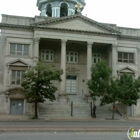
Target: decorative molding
column 63, row 42
column 72, row 70
column 89, row 44
column 36, row 40
column 114, row 46
column 3, row 39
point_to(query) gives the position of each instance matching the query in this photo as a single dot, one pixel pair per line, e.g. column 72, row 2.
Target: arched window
column 49, row 10
column 63, row 10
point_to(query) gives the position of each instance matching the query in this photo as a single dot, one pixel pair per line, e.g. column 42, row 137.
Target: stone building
column 63, row 36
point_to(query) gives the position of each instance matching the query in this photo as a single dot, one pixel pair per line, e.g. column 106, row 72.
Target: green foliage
column 130, row 88
column 37, row 83
column 100, row 76
column 124, row 89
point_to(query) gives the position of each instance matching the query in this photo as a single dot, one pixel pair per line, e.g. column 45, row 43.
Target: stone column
column 114, row 60
column 62, row 94
column 36, row 51
column 89, row 65
column 89, row 59
column 58, row 11
column 3, row 67
column 138, row 58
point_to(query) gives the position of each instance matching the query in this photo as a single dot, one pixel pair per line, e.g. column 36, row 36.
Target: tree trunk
column 36, row 114
column 113, row 111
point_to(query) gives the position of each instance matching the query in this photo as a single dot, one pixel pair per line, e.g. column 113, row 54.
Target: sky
column 124, row 13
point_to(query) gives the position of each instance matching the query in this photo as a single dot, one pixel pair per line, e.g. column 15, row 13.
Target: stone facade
column 63, row 36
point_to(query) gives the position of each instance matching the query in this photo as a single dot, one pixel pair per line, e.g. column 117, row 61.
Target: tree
column 124, row 89
column 37, row 84
column 100, row 77
column 129, row 89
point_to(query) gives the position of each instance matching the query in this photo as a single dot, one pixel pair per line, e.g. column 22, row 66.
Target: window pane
column 47, row 57
column 26, row 50
column 13, row 74
column 12, row 48
column 19, row 49
column 131, row 56
column 119, row 55
column 125, row 55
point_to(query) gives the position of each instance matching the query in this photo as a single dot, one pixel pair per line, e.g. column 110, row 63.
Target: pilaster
column 43, row 12
column 62, row 94
column 114, row 60
column 3, row 70
column 36, row 51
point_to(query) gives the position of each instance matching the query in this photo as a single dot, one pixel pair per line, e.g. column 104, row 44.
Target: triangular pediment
column 18, row 62
column 76, row 23
column 126, row 70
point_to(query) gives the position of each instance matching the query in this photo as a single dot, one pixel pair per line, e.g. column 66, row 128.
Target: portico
column 75, row 58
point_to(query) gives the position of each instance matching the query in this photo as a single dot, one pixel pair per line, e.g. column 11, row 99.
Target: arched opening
column 63, row 10
column 49, row 10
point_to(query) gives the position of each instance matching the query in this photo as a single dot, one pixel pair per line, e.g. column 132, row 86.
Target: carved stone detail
column 36, row 40
column 3, row 39
column 72, row 70
column 63, row 42
column 89, row 44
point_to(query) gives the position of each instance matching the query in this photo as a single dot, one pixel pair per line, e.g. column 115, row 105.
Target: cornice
column 4, row 25
column 73, row 17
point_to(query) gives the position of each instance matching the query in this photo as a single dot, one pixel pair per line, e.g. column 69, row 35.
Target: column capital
column 36, row 40
column 3, row 38
column 114, row 46
column 89, row 43
column 63, row 41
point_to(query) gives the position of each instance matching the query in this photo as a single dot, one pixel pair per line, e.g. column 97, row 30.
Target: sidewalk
column 52, row 129
column 66, row 129
column 26, row 118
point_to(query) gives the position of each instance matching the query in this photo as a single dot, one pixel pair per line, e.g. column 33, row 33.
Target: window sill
column 18, row 56
column 123, row 63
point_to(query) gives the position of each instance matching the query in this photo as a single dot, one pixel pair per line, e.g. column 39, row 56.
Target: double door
column 71, row 84
column 16, row 106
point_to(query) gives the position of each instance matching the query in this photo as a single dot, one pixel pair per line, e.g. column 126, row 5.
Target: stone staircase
column 81, row 109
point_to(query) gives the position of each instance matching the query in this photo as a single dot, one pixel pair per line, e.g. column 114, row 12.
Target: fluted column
column 114, row 60
column 89, row 59
column 36, row 50
column 63, row 67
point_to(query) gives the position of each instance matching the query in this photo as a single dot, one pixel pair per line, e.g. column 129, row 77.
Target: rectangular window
column 17, row 77
column 96, row 57
column 125, row 57
column 19, row 49
column 47, row 55
column 72, row 57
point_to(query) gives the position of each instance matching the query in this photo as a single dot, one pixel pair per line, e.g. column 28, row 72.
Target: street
column 71, row 124
column 63, row 136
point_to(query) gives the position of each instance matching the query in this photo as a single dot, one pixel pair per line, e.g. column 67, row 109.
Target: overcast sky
column 124, row 13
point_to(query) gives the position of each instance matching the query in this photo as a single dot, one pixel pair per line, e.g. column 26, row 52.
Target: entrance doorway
column 71, row 84
column 16, row 106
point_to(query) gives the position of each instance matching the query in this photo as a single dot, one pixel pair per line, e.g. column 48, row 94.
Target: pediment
column 18, row 62
column 76, row 22
column 126, row 70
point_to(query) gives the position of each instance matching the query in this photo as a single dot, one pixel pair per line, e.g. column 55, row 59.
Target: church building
column 62, row 36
